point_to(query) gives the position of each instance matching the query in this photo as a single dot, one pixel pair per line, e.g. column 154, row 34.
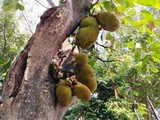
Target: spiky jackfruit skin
column 91, row 83
column 85, row 75
column 108, row 21
column 86, row 37
column 89, row 21
column 63, row 94
column 81, row 58
column 82, row 92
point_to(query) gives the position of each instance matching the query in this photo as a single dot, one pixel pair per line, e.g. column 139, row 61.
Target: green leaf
column 135, row 93
column 108, row 6
column 120, row 9
column 140, row 23
column 156, row 57
column 92, row 62
column 137, row 56
column 1, row 60
column 131, row 11
column 146, row 2
column 147, row 15
column 152, row 67
column 7, row 2
column 144, row 45
column 109, row 36
column 157, row 5
column 157, row 22
column 155, row 46
column 144, row 68
column 20, row 7
column 126, row 3
column 7, row 64
column 145, row 59
column 10, row 5
column 130, row 45
column 91, row 6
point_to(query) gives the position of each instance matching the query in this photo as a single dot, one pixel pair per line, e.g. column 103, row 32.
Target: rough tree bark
column 28, row 93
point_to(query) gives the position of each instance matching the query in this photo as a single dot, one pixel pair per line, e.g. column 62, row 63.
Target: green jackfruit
column 81, row 58
column 86, row 37
column 91, row 83
column 63, row 94
column 108, row 21
column 82, row 92
column 85, row 75
column 83, row 69
column 89, row 21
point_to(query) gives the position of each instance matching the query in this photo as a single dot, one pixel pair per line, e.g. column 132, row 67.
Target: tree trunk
column 28, row 92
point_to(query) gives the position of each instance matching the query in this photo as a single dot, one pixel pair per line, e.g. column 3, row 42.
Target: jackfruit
column 89, row 21
column 83, row 69
column 90, row 82
column 63, row 94
column 85, row 75
column 108, row 21
column 81, row 58
column 86, row 37
column 82, row 92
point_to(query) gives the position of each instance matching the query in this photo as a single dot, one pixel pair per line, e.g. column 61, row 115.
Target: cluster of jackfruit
column 84, row 72
column 85, row 82
column 81, row 86
column 89, row 28
column 66, row 89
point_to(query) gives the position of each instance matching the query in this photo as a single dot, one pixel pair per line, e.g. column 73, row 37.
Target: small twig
column 61, row 56
column 93, row 8
column 4, row 38
column 113, row 5
column 27, row 22
column 79, row 49
column 104, row 45
column 51, row 3
column 72, row 50
column 95, row 3
column 104, row 60
column 153, row 109
column 40, row 4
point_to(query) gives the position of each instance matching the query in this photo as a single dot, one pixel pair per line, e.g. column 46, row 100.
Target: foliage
column 10, row 5
column 11, row 41
column 128, row 61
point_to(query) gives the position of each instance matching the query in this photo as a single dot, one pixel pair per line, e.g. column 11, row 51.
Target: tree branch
column 51, row 3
